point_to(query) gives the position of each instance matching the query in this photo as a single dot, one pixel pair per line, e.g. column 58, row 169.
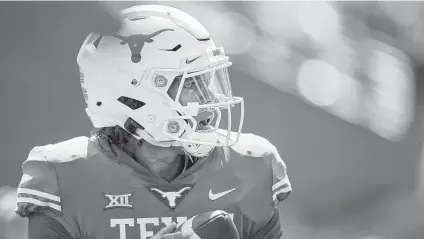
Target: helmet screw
column 160, row 81
column 134, row 82
column 173, row 127
column 151, row 118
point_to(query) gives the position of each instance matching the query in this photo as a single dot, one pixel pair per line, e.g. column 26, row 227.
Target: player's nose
column 207, row 95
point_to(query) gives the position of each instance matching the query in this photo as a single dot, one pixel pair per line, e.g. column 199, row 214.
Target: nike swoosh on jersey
column 214, row 196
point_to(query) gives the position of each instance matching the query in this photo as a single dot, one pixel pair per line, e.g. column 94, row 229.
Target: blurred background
column 336, row 86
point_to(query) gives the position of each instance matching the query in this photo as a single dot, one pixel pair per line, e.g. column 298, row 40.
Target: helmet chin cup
column 199, row 150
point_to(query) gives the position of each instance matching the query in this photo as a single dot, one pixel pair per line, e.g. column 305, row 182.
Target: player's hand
column 168, row 232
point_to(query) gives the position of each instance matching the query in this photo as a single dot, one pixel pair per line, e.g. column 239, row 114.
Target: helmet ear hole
column 131, row 126
column 131, row 103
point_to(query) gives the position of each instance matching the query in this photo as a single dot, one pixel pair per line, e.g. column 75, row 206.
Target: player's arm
column 41, row 226
column 39, row 198
column 272, row 229
column 281, row 190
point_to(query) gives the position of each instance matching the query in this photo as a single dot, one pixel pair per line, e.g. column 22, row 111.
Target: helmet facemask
column 200, row 97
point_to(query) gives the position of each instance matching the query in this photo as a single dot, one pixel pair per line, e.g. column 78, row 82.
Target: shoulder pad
column 60, row 152
column 251, row 145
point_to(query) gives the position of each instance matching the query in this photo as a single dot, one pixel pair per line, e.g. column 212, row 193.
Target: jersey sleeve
column 38, row 189
column 281, row 186
column 269, row 187
column 280, row 189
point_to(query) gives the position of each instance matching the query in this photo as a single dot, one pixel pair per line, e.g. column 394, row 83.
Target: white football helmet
column 136, row 79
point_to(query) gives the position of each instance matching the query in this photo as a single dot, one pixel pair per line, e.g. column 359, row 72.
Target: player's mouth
column 207, row 118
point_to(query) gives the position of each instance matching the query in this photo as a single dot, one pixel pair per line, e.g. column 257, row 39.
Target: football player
column 157, row 93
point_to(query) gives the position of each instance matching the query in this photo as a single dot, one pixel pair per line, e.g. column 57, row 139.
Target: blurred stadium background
column 336, row 86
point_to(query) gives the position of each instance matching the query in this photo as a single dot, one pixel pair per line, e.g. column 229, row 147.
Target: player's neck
column 163, row 162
